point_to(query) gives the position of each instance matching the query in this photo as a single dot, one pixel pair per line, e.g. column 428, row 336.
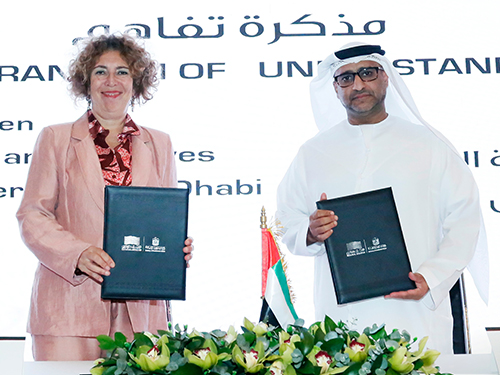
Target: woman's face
column 111, row 86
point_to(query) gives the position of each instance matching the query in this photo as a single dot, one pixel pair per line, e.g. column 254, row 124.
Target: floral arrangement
column 324, row 348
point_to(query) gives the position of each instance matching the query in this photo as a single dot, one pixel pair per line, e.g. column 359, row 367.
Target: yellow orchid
column 314, row 328
column 287, row 345
column 321, row 359
column 280, row 368
column 195, row 333
column 358, row 349
column 260, row 329
column 400, row 362
column 248, row 324
column 429, row 358
column 252, row 360
column 205, row 357
column 287, row 339
column 155, row 358
column 231, row 335
column 98, row 370
column 421, row 346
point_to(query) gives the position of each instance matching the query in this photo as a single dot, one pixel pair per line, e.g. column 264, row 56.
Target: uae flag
column 277, row 305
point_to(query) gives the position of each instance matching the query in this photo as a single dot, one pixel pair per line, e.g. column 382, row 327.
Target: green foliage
column 326, row 347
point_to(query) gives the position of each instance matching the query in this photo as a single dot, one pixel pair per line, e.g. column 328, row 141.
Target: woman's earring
column 89, row 102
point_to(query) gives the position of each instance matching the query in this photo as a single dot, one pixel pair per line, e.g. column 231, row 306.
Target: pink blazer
column 62, row 214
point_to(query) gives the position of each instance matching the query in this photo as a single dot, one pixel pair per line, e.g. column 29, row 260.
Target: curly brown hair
column 142, row 67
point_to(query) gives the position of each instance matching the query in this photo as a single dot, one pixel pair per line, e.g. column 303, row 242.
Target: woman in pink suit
column 62, row 211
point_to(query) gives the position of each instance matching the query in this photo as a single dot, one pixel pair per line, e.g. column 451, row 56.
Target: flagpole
column 263, row 218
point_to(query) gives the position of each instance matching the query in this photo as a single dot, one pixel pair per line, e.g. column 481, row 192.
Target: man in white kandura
column 380, row 140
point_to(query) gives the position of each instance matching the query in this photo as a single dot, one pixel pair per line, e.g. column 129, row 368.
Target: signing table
column 11, row 357
column 465, row 364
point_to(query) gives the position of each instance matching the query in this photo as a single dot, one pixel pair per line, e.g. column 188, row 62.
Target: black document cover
column 367, row 251
column 144, row 232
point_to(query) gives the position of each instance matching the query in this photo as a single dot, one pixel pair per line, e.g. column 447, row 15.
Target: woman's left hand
column 188, row 249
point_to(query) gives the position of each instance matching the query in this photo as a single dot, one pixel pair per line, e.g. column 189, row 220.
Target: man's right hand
column 321, row 224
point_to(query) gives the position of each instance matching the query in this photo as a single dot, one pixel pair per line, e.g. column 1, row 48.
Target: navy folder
column 144, row 232
column 367, row 251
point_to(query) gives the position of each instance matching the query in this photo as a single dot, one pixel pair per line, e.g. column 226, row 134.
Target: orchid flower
column 429, row 358
column 251, row 360
column 231, row 335
column 155, row 358
column 358, row 349
column 97, row 370
column 205, row 357
column 400, row 362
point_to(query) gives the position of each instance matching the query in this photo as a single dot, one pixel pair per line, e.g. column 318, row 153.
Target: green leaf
column 249, row 337
column 173, row 345
column 353, row 369
column 379, row 332
column 309, row 369
column 188, row 369
column 329, row 324
column 390, row 371
column 395, row 335
column 319, row 335
column 195, row 343
column 161, row 332
column 297, row 356
column 120, row 339
column 218, row 333
column 242, row 343
column 354, row 334
column 406, row 336
column 308, row 341
column 106, row 342
column 121, row 365
column 172, row 366
column 418, row 363
column 141, row 339
column 110, row 371
column 378, row 362
column 333, row 346
column 391, row 345
column 299, row 322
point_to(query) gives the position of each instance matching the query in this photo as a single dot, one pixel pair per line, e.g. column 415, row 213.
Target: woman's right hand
column 95, row 262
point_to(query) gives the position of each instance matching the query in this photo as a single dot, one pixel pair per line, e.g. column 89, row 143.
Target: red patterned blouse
column 116, row 164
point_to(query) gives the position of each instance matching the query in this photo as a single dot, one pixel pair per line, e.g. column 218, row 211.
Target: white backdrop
column 234, row 115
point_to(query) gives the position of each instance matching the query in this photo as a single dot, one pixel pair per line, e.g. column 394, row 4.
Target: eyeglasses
column 365, row 74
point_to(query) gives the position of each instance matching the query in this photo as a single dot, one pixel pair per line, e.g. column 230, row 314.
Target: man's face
column 363, row 101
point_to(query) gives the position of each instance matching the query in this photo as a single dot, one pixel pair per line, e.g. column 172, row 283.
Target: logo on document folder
column 377, row 246
column 355, row 248
column 131, row 243
column 155, row 246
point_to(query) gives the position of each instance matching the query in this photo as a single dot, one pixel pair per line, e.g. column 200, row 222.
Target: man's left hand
column 415, row 294
column 188, row 249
